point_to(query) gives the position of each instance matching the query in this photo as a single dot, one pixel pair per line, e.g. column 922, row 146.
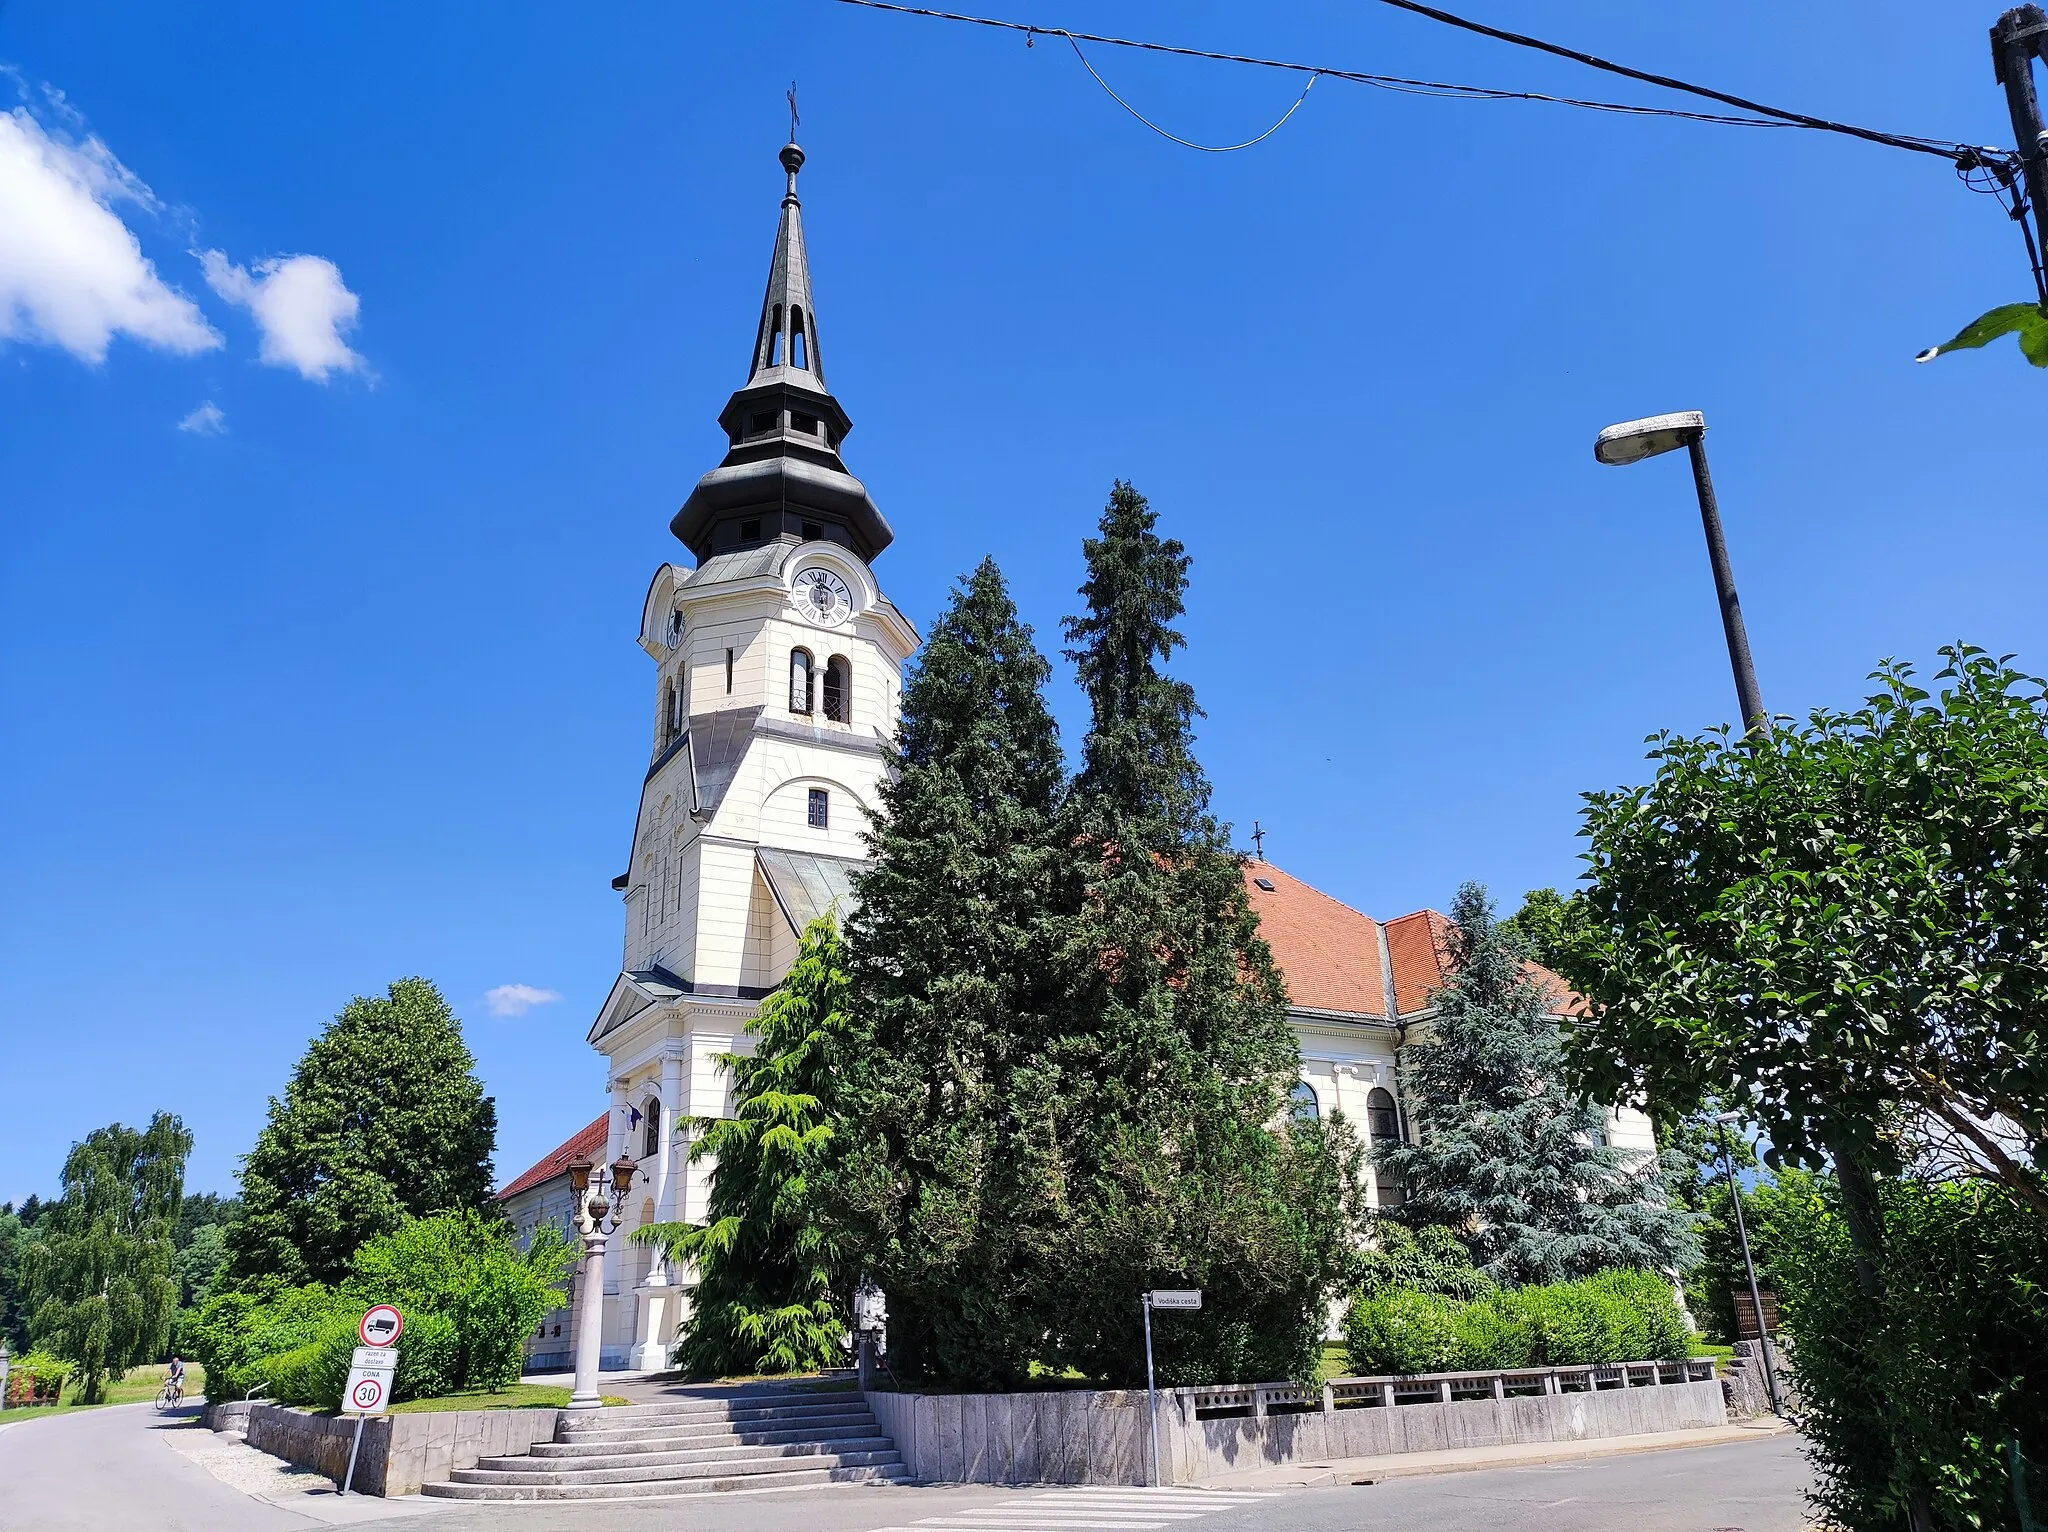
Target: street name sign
column 1176, row 1297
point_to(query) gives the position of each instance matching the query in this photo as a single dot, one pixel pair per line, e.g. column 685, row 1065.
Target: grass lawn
column 138, row 1387
column 520, row 1396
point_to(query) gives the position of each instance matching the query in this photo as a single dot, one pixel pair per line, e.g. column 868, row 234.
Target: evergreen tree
column 1177, row 1060
column 1506, row 1155
column 100, row 1278
column 768, row 1297
column 383, row 1120
column 953, row 1176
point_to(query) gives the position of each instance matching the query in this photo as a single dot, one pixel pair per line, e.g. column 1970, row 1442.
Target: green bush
column 429, row 1359
column 1495, row 1331
column 1616, row 1316
column 1431, row 1260
column 468, row 1297
column 1403, row 1331
column 1917, row 1396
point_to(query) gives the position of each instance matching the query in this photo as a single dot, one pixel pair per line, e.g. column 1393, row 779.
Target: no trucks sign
column 380, row 1326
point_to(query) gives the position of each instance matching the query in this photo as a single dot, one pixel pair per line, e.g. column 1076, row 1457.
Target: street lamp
column 598, row 1194
column 1634, row 440
column 1756, row 1302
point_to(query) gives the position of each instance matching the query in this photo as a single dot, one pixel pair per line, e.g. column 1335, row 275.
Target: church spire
column 782, row 479
column 788, row 333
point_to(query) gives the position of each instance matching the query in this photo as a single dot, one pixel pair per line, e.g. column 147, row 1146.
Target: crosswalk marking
column 1110, row 1508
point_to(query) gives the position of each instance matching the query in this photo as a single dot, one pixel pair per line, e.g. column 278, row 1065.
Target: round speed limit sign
column 368, row 1394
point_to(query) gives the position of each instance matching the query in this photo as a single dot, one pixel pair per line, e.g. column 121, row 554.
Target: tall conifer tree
column 959, row 952
column 1185, row 1167
column 769, row 1296
column 1507, row 1156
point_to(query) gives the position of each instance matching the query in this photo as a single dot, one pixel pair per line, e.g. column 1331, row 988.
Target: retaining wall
column 1100, row 1436
column 399, row 1452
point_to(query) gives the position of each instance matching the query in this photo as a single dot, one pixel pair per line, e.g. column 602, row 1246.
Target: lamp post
column 1634, row 440
column 599, row 1194
column 1756, row 1302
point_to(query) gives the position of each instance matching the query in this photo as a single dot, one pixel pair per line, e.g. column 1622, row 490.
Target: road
column 118, row 1468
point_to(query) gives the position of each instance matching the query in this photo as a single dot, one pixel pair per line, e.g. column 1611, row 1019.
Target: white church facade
column 778, row 671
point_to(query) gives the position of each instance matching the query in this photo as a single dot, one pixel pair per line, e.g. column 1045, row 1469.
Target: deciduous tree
column 100, row 1277
column 384, row 1118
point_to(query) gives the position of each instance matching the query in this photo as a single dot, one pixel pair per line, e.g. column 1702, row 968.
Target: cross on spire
column 790, row 96
column 1259, row 840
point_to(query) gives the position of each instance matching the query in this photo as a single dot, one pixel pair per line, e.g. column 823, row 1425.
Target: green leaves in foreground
column 2029, row 321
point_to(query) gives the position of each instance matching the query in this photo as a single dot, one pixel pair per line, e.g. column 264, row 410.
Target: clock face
column 823, row 597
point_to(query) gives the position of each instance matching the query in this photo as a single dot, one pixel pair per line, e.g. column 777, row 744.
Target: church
column 778, row 663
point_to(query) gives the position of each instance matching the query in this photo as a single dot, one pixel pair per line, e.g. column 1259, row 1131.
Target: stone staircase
column 694, row 1445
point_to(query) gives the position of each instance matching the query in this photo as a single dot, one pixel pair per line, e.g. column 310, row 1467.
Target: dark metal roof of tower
column 776, row 462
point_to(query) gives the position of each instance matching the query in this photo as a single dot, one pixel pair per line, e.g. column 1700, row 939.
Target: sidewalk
column 1466, row 1459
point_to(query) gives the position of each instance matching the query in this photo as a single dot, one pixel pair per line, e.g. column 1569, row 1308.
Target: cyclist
column 174, row 1383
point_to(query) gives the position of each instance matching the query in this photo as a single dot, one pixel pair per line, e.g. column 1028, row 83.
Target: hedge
column 1616, row 1316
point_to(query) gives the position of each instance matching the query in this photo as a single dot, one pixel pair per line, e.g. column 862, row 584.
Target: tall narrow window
column 1302, row 1103
column 668, row 714
column 799, row 681
column 838, row 689
column 796, row 338
column 650, row 1145
column 1382, row 1117
column 728, row 672
column 820, row 812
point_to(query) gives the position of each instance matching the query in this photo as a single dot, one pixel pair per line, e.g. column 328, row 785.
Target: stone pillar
column 588, row 1323
column 618, row 1321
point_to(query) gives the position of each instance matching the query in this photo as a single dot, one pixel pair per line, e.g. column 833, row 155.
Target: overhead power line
column 1938, row 146
column 1966, row 156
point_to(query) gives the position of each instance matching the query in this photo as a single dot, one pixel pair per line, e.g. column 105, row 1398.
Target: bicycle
column 171, row 1395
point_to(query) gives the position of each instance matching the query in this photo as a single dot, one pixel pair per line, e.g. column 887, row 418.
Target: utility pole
column 2020, row 37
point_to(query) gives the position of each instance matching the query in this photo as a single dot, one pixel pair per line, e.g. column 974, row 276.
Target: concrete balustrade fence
column 1087, row 1436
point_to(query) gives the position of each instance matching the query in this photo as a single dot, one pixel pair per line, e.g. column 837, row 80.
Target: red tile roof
column 1329, row 953
column 588, row 1144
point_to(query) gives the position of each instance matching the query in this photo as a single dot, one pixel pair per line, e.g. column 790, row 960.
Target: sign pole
column 349, row 1477
column 1151, row 1392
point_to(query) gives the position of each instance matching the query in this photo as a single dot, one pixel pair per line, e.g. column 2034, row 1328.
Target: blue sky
column 339, row 684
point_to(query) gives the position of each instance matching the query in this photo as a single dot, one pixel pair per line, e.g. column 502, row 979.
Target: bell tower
column 778, row 665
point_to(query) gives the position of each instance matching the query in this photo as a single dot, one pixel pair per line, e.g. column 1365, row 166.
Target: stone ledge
column 399, row 1452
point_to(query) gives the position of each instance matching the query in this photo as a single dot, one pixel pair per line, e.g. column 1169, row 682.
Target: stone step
column 790, row 1478
column 874, row 1441
column 642, row 1473
column 734, row 1407
column 676, row 1441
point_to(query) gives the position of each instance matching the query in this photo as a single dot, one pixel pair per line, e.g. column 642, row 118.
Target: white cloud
column 207, row 420
column 301, row 305
column 517, row 999
column 71, row 272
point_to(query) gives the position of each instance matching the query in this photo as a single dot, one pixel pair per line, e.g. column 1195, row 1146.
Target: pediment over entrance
column 631, row 994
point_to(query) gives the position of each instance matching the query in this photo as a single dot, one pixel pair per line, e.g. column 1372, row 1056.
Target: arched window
column 798, row 357
column 1302, row 1103
column 1382, row 1117
column 650, row 1145
column 675, row 710
column 668, row 713
column 800, row 680
column 838, row 689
